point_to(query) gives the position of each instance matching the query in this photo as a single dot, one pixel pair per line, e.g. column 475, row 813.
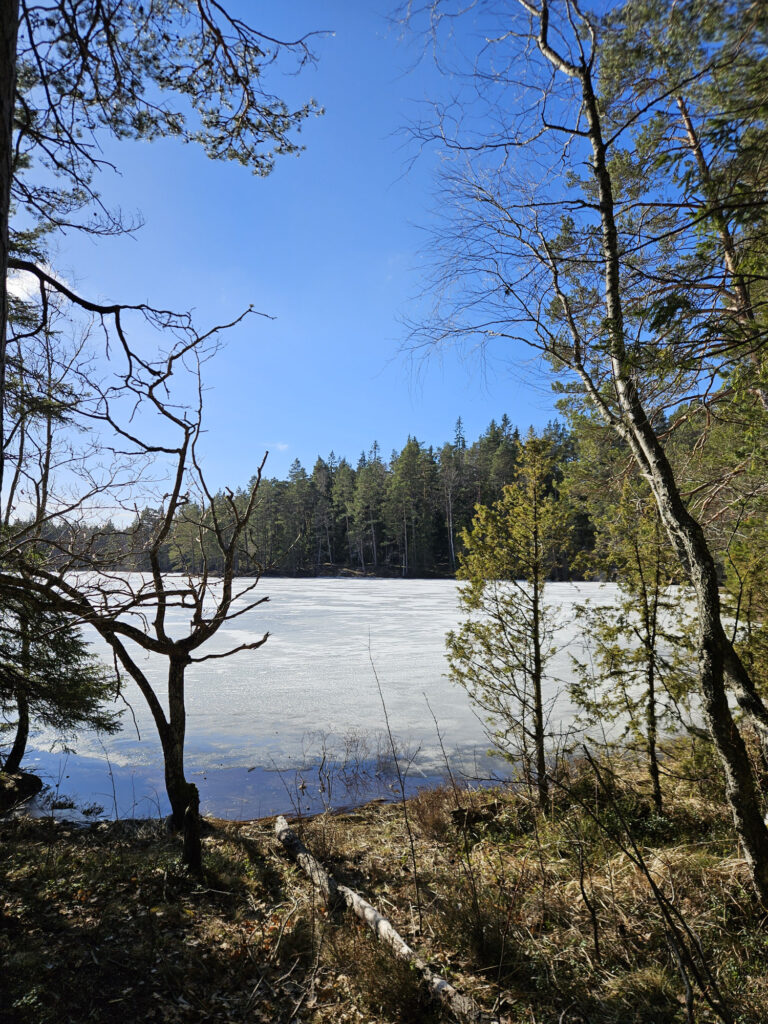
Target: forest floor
column 602, row 911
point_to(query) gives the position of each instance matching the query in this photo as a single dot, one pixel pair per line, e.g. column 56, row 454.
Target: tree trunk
column 373, row 544
column 542, row 786
column 349, row 541
column 405, row 544
column 13, row 761
column 651, row 730
column 715, row 652
column 9, row 30
column 449, row 524
column 650, row 625
column 462, row 1007
column 181, row 793
column 192, row 851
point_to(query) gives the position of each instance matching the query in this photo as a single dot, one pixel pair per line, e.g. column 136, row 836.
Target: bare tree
column 120, row 427
column 136, row 434
column 555, row 240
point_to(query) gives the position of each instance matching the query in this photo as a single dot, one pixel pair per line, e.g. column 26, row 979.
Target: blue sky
column 330, row 245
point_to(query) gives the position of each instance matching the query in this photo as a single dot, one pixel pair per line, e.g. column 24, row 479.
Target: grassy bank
column 602, row 911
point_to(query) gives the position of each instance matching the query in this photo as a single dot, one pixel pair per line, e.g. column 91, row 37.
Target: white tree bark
column 462, row 1007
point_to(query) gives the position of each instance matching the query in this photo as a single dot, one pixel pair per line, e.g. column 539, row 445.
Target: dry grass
column 545, row 919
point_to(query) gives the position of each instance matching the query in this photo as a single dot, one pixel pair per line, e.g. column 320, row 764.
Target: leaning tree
column 606, row 204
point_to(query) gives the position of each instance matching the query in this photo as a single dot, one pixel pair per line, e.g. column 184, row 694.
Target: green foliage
column 411, row 501
column 694, row 180
column 47, row 673
column 722, row 461
column 500, row 653
column 141, row 71
column 640, row 670
column 746, row 596
column 403, row 516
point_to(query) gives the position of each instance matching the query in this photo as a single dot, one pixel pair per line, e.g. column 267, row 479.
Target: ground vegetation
column 548, row 918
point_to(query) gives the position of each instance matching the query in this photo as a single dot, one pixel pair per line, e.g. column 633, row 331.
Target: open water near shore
column 299, row 725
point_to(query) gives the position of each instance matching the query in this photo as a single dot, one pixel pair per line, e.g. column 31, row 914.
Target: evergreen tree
column 452, row 477
column 641, row 667
column 459, row 440
column 368, row 507
column 298, row 514
column 322, row 481
column 411, row 505
column 500, row 653
column 47, row 675
column 343, row 499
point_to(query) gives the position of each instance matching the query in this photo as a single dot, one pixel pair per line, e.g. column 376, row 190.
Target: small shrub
column 479, row 923
column 431, row 809
column 324, row 838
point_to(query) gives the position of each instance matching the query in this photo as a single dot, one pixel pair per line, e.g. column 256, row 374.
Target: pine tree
column 641, row 669
column 370, row 485
column 48, row 676
column 411, row 503
column 500, row 653
column 343, row 499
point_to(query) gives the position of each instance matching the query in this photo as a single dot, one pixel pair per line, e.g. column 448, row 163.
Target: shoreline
column 496, row 897
column 88, row 790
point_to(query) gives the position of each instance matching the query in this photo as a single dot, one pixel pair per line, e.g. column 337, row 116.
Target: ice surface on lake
column 315, row 675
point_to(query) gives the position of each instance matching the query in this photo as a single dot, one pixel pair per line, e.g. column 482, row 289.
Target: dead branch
column 463, row 1008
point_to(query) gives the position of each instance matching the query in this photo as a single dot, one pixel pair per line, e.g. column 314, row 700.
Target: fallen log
column 463, row 1007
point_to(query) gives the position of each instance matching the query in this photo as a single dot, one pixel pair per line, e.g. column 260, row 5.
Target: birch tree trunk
column 463, row 1007
column 716, row 655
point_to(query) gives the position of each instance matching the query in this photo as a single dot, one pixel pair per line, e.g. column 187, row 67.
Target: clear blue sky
column 330, row 245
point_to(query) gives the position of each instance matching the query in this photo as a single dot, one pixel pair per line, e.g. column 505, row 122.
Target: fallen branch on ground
column 462, row 1007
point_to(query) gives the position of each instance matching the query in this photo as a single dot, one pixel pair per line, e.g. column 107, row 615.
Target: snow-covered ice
column 315, row 674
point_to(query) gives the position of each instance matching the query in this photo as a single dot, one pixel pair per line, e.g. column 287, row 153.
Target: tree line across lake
column 403, row 515
column 407, row 515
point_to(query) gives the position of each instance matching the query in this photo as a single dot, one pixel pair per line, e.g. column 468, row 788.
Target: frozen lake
column 254, row 718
